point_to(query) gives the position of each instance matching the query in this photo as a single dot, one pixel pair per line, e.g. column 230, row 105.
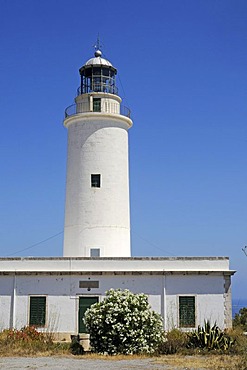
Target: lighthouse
column 97, row 210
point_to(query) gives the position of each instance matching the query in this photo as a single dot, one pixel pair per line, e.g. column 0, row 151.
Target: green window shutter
column 187, row 317
column 37, row 315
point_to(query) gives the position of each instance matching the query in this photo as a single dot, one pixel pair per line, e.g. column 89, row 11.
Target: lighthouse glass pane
column 105, row 71
column 187, row 317
column 88, row 72
column 95, row 181
column 89, row 84
column 97, row 86
column 96, row 71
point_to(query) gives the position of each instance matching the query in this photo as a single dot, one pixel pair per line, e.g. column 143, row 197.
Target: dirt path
column 63, row 363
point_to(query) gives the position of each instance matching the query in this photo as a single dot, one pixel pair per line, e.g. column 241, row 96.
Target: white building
column 53, row 293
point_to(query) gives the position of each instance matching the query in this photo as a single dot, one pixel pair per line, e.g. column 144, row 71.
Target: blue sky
column 182, row 66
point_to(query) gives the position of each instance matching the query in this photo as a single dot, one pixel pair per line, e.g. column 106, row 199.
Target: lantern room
column 98, row 75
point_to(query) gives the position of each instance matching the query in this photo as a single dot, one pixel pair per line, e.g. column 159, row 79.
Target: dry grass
column 17, row 351
column 95, row 356
column 213, row 362
column 28, row 342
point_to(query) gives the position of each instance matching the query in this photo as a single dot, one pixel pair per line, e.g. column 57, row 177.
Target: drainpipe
column 14, row 302
column 163, row 301
column 13, row 305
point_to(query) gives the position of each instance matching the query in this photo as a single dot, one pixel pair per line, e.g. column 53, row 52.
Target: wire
column 154, row 245
column 34, row 245
column 118, row 76
column 124, row 94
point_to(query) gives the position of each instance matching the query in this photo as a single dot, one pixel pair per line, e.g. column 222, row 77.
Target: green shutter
column 84, row 304
column 187, row 312
column 37, row 314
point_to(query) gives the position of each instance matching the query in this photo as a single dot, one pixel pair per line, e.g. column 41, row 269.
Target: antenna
column 98, row 45
column 245, row 250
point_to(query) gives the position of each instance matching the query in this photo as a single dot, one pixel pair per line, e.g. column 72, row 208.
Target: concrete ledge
column 115, row 273
column 217, row 258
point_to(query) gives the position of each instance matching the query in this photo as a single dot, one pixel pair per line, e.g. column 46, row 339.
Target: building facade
column 53, row 293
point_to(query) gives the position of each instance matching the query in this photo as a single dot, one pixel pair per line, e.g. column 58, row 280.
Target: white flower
column 123, row 323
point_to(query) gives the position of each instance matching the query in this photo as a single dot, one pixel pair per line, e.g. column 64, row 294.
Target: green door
column 84, row 304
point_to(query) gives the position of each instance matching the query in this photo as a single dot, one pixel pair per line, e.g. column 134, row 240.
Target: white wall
column 97, row 217
column 6, row 301
column 67, row 264
column 209, row 294
column 63, row 291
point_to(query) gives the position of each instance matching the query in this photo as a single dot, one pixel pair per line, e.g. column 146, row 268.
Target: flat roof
column 114, row 265
column 115, row 258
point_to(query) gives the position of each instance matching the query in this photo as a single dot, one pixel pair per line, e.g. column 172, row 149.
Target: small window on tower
column 95, row 252
column 96, row 104
column 95, row 181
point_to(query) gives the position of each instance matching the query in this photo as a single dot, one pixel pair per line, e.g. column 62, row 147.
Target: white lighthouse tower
column 97, row 220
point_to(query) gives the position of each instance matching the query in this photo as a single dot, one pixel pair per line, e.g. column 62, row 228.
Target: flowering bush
column 29, row 341
column 26, row 334
column 123, row 323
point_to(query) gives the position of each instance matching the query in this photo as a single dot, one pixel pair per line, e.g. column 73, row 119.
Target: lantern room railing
column 97, row 87
column 110, row 108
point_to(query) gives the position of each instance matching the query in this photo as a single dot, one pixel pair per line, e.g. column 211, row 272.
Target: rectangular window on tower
column 95, row 181
column 187, row 312
column 95, row 252
column 96, row 105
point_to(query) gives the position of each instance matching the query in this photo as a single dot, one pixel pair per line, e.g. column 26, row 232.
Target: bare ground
column 62, row 363
column 120, row 363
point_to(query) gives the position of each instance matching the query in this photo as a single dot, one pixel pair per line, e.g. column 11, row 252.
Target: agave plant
column 210, row 338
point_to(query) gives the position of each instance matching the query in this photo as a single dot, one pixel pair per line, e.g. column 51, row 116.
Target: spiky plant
column 208, row 337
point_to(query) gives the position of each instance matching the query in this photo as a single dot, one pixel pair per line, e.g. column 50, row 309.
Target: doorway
column 84, row 304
